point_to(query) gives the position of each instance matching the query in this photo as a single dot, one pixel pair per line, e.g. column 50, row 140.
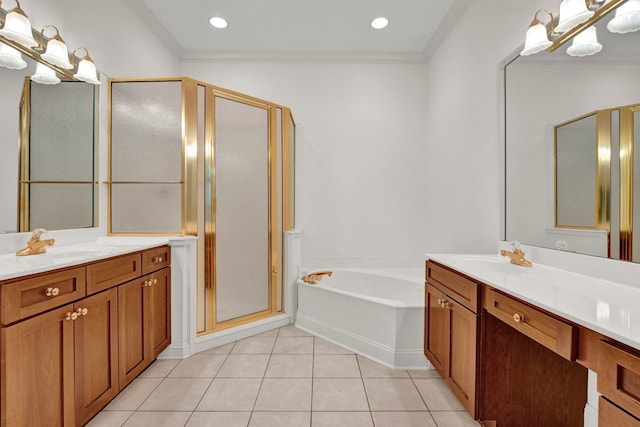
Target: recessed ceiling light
column 218, row 22
column 379, row 23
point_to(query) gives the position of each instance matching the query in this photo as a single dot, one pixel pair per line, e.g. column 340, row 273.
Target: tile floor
column 283, row 378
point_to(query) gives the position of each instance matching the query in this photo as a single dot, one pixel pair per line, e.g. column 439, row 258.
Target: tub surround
column 583, row 309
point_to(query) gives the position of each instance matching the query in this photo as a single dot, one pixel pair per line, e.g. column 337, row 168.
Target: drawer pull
column 157, row 259
column 518, row 318
column 52, row 292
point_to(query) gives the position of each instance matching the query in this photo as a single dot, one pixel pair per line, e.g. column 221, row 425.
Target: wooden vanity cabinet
column 61, row 366
column 619, row 383
column 144, row 315
column 451, row 331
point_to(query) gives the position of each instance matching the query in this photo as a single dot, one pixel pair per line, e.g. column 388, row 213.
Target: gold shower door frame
column 208, row 256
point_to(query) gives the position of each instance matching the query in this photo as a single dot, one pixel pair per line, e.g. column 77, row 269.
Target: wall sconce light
column 45, row 75
column 626, row 19
column 576, row 20
column 17, row 27
column 572, row 13
column 86, row 68
column 537, row 39
column 585, row 43
column 11, row 58
column 56, row 51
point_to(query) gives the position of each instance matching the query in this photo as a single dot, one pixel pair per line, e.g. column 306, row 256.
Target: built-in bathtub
column 376, row 313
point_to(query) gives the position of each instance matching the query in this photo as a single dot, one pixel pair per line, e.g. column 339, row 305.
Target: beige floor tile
column 176, row 394
column 453, row 419
column 254, row 345
column 160, row 368
column 338, row 394
column 290, row 366
column 404, row 419
column 335, row 366
column 280, row 419
column 158, row 419
column 109, row 419
column 198, row 366
column 293, row 345
column 284, row 394
column 219, row 419
column 231, row 394
column 371, row 369
column 437, row 395
column 322, row 346
column 292, row 331
column 222, row 349
column 270, row 333
column 244, row 366
column 341, row 419
column 393, row 394
column 424, row 373
column 132, row 397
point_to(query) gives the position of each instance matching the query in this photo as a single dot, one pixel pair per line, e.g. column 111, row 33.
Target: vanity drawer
column 556, row 335
column 156, row 259
column 609, row 415
column 456, row 286
column 28, row 297
column 106, row 274
column 619, row 376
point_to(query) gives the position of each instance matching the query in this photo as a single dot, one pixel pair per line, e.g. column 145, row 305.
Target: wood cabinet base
column 524, row 384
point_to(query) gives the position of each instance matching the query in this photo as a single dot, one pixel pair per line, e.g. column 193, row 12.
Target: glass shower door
column 240, row 211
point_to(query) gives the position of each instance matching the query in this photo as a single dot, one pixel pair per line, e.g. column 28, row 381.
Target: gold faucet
column 517, row 257
column 35, row 245
column 313, row 278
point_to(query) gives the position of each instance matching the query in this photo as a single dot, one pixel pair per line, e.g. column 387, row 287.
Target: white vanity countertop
column 12, row 266
column 611, row 308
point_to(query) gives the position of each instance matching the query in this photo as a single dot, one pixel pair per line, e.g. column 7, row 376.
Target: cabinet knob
column 71, row 316
column 518, row 318
column 157, row 259
column 155, row 281
column 439, row 301
column 82, row 311
column 146, row 283
column 52, row 292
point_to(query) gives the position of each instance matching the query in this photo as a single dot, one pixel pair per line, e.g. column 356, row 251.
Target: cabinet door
column 134, row 325
column 436, row 340
column 462, row 368
column 160, row 310
column 38, row 374
column 96, row 353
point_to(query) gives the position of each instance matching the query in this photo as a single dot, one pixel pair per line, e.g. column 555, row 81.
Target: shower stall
column 189, row 158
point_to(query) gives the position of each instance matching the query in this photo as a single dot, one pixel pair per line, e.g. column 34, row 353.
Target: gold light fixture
column 51, row 53
column 56, row 51
column 17, row 27
column 575, row 18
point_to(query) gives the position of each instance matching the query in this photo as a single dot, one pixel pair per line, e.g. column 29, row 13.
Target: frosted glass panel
column 576, row 173
column 61, row 133
column 146, row 208
column 61, row 206
column 242, row 213
column 146, row 126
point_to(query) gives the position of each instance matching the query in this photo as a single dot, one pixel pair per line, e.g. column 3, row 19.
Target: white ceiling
column 300, row 29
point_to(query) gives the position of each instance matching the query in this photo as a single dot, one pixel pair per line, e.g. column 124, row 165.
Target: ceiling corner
column 149, row 19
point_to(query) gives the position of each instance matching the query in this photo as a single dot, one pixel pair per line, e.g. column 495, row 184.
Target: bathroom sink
column 487, row 263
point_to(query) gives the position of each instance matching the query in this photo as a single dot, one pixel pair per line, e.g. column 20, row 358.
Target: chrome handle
column 518, row 318
column 52, row 292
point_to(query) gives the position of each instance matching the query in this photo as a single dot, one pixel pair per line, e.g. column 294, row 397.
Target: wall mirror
column 55, row 141
column 554, row 96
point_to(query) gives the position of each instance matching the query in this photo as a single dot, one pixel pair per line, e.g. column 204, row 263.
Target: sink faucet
column 35, row 245
column 517, row 256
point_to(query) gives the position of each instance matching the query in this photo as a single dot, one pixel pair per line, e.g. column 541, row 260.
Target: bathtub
column 376, row 313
